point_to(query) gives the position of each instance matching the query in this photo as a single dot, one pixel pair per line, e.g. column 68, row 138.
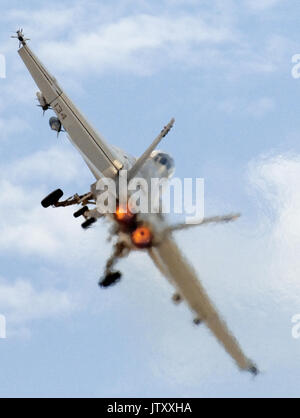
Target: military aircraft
column 133, row 231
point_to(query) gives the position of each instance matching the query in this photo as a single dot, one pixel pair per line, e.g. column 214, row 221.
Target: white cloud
column 42, row 21
column 278, row 179
column 28, row 228
column 149, row 41
column 140, row 43
column 261, row 107
column 135, row 38
column 260, row 5
column 12, row 126
column 20, row 302
column 256, row 108
column 58, row 163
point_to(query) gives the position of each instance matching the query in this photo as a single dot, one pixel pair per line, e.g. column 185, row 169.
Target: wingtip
column 21, row 37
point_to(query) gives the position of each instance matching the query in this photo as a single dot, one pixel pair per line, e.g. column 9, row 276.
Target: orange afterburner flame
column 124, row 216
column 142, row 237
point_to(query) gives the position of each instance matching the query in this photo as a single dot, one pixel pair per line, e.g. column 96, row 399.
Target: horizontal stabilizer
column 205, row 221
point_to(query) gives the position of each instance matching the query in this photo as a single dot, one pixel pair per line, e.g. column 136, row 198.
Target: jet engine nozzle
column 142, row 237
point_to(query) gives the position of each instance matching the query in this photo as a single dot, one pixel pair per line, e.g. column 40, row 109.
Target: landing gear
column 197, row 321
column 88, row 223
column 81, row 212
column 91, row 216
column 52, row 198
column 110, row 279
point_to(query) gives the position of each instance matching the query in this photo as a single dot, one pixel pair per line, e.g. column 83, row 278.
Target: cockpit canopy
column 164, row 162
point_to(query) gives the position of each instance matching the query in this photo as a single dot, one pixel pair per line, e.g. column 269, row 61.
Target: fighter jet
column 149, row 232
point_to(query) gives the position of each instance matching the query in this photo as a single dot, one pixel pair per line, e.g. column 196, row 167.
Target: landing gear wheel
column 88, row 223
column 81, row 212
column 110, row 279
column 52, row 198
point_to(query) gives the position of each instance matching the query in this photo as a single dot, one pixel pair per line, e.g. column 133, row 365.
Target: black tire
column 88, row 223
column 80, row 212
column 110, row 279
column 52, row 198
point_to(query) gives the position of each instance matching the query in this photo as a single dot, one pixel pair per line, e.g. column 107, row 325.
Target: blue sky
column 223, row 70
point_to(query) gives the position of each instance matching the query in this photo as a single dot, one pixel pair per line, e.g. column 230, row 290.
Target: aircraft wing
column 170, row 261
column 101, row 159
